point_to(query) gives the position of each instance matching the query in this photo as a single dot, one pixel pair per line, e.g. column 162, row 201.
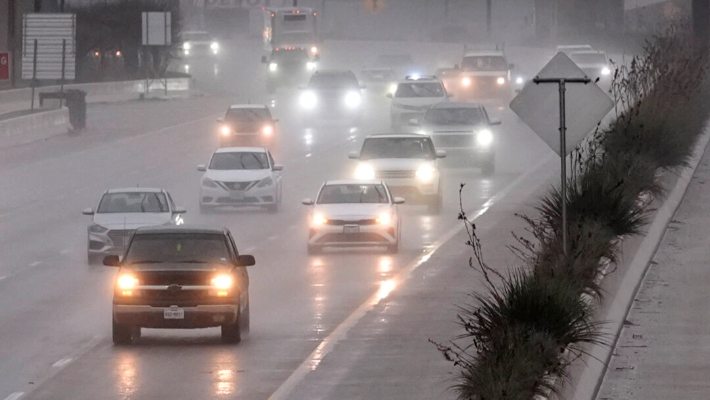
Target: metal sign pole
column 34, row 75
column 61, row 82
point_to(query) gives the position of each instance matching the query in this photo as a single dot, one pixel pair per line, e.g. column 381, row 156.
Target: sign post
column 579, row 107
column 156, row 31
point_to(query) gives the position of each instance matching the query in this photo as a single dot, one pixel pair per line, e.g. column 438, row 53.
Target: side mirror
column 278, row 167
column 511, row 66
column 179, row 210
column 307, row 202
column 245, row 260
column 413, row 122
column 390, row 95
column 88, row 211
column 264, row 60
column 494, row 122
column 112, row 261
column 398, row 200
column 201, row 168
column 440, row 154
column 353, row 155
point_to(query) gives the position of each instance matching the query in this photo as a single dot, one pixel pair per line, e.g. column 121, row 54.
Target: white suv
column 408, row 163
column 413, row 97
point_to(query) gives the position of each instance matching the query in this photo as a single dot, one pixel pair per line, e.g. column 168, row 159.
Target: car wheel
column 232, row 333
column 314, row 250
column 122, row 334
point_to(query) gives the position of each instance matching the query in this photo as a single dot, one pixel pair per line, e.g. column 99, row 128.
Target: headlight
column 364, row 172
column 222, row 282
column 311, row 65
column 226, row 130
column 519, row 80
column 187, row 46
column 126, row 282
column 187, row 52
column 273, row 67
column 606, row 71
column 353, row 99
column 214, row 46
column 314, row 50
column 392, row 89
column 484, row 138
column 207, row 182
column 97, row 229
column 466, row 81
column 309, row 100
column 425, row 173
column 267, row 130
column 500, row 80
column 265, row 182
column 384, row 219
column 318, row 220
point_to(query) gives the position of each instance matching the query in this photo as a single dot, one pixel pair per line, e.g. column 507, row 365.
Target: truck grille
column 237, row 185
column 403, row 174
column 183, row 278
column 351, row 222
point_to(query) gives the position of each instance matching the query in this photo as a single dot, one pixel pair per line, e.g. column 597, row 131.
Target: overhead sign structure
column 538, row 105
column 156, row 29
column 580, row 105
column 48, row 46
column 4, row 66
column 374, row 6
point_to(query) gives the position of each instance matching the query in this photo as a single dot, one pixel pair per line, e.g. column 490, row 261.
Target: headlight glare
column 519, row 80
column 311, row 65
column 500, row 80
column 319, row 219
column 384, row 219
column 222, row 282
column 392, row 89
column 214, row 46
column 187, row 46
column 484, row 138
column 606, row 71
column 425, row 173
column 353, row 99
column 225, row 130
column 364, row 172
column 466, row 81
column 309, row 100
column 314, row 50
column 273, row 67
column 127, row 282
column 268, row 130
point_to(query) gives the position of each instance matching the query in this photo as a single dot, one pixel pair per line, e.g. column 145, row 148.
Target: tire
column 314, row 250
column 122, row 334
column 232, row 333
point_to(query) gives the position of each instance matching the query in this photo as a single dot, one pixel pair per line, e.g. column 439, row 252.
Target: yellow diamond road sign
column 374, row 6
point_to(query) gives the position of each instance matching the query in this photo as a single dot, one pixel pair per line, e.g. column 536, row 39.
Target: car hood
column 241, row 175
column 178, row 267
column 351, row 211
column 418, row 101
column 398, row 164
column 131, row 220
column 452, row 128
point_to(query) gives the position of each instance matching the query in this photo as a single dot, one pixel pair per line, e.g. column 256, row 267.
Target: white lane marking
column 14, row 396
column 65, row 251
column 341, row 331
column 62, row 362
column 36, row 263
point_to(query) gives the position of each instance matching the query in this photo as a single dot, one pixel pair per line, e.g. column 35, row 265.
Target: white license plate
column 237, row 195
column 351, row 229
column 174, row 313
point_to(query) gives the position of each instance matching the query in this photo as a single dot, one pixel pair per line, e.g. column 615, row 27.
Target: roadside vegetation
column 530, row 323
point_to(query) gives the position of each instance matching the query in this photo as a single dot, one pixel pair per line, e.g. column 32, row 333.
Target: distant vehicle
column 570, row 48
column 241, row 176
column 120, row 212
column 408, row 163
column 594, row 63
column 387, row 69
column 292, row 43
column 181, row 278
column 196, row 43
column 413, row 96
column 354, row 213
column 462, row 129
column 332, row 94
column 248, row 125
column 483, row 76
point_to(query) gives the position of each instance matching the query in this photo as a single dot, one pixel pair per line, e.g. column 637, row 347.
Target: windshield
column 406, row 147
column 191, row 248
column 198, row 36
column 133, row 202
column 342, row 194
column 419, row 89
column 588, row 58
column 247, row 116
column 484, row 63
column 454, row 116
column 239, row 161
column 324, row 81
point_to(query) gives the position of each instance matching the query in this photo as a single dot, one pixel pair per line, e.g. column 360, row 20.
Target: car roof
column 354, row 182
column 247, row 106
column 181, row 229
column 240, row 150
column 137, row 189
column 454, row 104
column 396, row 135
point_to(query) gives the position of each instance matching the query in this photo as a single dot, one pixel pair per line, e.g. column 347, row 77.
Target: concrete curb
column 592, row 376
column 33, row 127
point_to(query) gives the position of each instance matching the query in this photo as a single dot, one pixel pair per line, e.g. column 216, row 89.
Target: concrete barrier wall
column 33, row 127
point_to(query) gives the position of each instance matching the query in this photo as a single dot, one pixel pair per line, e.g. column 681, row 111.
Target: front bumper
column 367, row 235
column 205, row 316
column 246, row 139
column 213, row 197
column 101, row 244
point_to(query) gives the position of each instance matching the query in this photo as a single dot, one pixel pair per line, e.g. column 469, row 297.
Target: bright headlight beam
column 500, row 80
column 268, row 130
column 127, row 282
column 364, row 172
column 225, row 130
column 425, row 173
column 222, row 282
column 466, row 81
column 309, row 100
column 484, row 138
column 519, row 80
column 273, row 67
column 606, row 71
column 214, row 46
column 319, row 220
column 384, row 219
column 353, row 99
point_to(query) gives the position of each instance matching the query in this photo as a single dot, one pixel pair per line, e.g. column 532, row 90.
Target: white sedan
column 354, row 213
column 241, row 176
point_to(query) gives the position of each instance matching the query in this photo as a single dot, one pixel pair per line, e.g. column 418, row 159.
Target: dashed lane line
column 14, row 396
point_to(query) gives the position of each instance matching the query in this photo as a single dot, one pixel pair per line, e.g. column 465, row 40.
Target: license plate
column 174, row 313
column 351, row 229
column 237, row 195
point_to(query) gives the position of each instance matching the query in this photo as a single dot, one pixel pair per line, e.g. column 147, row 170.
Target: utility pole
column 701, row 21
